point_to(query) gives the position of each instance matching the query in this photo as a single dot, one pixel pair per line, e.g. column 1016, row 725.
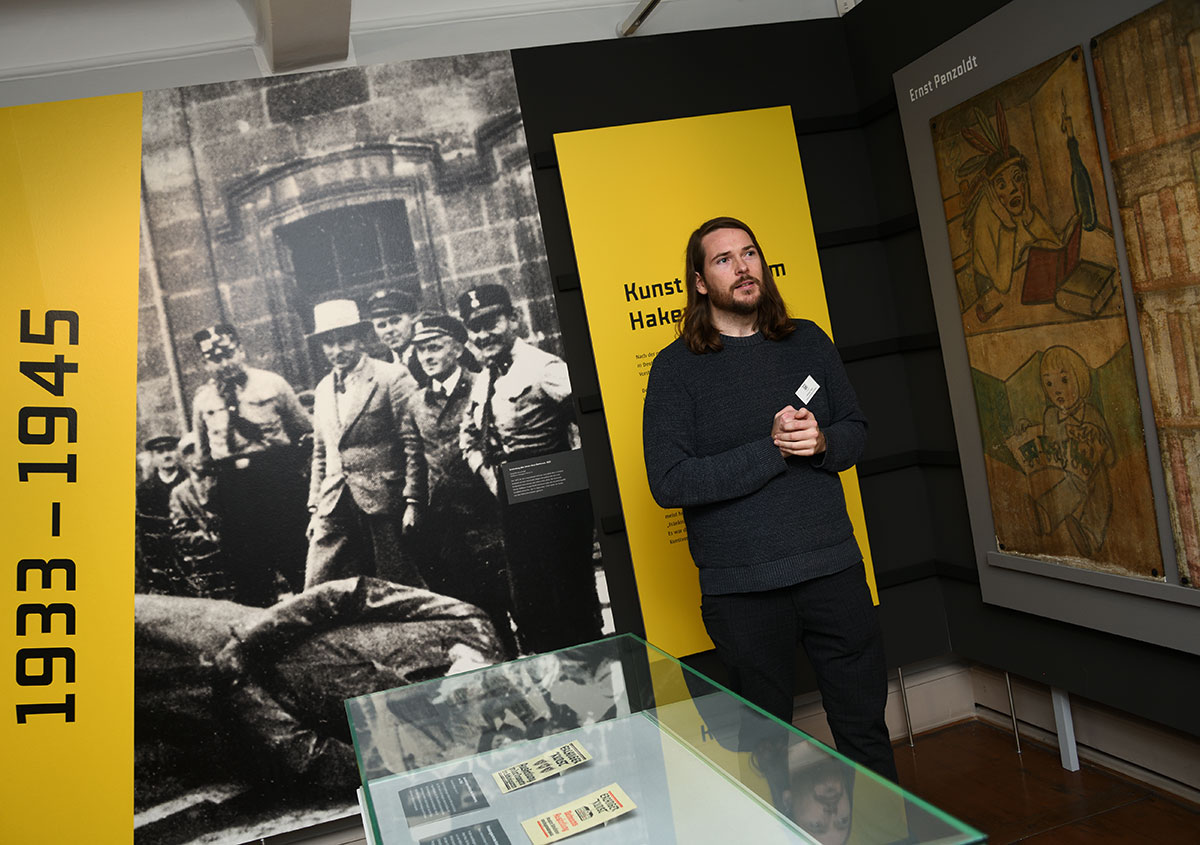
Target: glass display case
column 611, row 741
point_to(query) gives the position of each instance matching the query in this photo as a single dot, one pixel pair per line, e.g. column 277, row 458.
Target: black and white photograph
column 546, row 695
column 349, row 360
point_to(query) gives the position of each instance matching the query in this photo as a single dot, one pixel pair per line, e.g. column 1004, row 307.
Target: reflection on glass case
column 615, row 741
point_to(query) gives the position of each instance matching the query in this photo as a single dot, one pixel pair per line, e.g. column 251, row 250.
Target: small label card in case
column 483, row 833
column 541, row 767
column 442, row 798
column 579, row 815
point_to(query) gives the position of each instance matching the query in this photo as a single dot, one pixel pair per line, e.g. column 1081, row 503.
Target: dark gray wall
column 837, row 77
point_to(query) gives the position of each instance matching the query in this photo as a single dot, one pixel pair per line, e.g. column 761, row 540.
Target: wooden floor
column 972, row 771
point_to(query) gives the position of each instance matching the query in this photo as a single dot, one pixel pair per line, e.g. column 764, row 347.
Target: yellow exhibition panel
column 69, row 183
column 634, row 194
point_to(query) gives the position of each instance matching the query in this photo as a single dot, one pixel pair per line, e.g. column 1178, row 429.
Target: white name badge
column 808, row 390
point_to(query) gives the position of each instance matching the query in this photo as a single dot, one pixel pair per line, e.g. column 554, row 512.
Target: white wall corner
column 1153, row 754
column 939, row 693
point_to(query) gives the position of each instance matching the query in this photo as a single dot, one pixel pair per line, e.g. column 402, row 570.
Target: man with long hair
column 749, row 417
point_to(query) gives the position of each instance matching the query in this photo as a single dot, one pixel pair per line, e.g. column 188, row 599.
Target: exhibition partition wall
column 258, row 201
column 635, row 303
column 69, row 247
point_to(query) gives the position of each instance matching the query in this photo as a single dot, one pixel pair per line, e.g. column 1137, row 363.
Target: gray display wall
column 1155, row 611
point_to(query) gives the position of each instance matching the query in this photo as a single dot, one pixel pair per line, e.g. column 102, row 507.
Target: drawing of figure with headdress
column 1073, row 486
column 999, row 219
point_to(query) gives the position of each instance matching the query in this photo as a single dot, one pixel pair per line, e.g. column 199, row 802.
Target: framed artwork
column 1039, row 293
column 1147, row 75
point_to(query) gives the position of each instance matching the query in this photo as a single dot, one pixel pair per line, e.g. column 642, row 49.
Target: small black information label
column 442, row 798
column 546, row 475
column 484, row 833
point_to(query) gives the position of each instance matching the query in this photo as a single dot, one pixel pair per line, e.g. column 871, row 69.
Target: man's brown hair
column 696, row 328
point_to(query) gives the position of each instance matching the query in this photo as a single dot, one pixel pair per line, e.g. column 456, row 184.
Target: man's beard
column 729, row 301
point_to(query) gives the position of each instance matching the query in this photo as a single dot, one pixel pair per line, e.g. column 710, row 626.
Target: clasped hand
column 797, row 433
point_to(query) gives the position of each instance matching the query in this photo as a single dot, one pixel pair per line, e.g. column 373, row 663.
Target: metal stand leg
column 1012, row 710
column 904, row 699
column 1065, row 727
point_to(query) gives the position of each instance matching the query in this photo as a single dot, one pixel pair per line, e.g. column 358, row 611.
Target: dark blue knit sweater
column 755, row 521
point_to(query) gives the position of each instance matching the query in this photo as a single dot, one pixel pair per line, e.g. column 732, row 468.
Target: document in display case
column 612, row 741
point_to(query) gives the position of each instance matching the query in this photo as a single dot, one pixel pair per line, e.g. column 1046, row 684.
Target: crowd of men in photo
column 392, row 471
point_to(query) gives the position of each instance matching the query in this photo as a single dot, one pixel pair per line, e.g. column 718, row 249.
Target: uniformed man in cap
column 248, row 423
column 391, row 313
column 520, row 407
column 462, row 547
column 154, row 492
column 153, row 497
column 369, row 475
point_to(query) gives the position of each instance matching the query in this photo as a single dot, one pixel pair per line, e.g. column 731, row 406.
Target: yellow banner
column 634, row 195
column 69, row 212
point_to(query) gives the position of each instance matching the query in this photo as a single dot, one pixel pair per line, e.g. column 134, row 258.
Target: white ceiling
column 61, row 49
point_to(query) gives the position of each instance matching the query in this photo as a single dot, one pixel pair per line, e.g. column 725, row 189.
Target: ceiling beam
column 296, row 34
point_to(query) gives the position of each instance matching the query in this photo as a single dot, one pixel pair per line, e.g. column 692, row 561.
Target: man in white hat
column 369, row 474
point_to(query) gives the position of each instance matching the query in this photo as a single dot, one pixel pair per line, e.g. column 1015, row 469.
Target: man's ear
column 700, row 286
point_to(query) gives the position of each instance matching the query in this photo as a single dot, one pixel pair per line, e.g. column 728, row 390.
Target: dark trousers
column 462, row 556
column 260, row 500
column 347, row 542
column 832, row 617
column 548, row 543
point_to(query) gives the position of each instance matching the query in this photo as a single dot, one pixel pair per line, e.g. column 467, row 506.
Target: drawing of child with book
column 1076, row 447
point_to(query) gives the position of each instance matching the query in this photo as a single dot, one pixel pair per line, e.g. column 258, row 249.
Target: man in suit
column 368, row 471
column 461, row 540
